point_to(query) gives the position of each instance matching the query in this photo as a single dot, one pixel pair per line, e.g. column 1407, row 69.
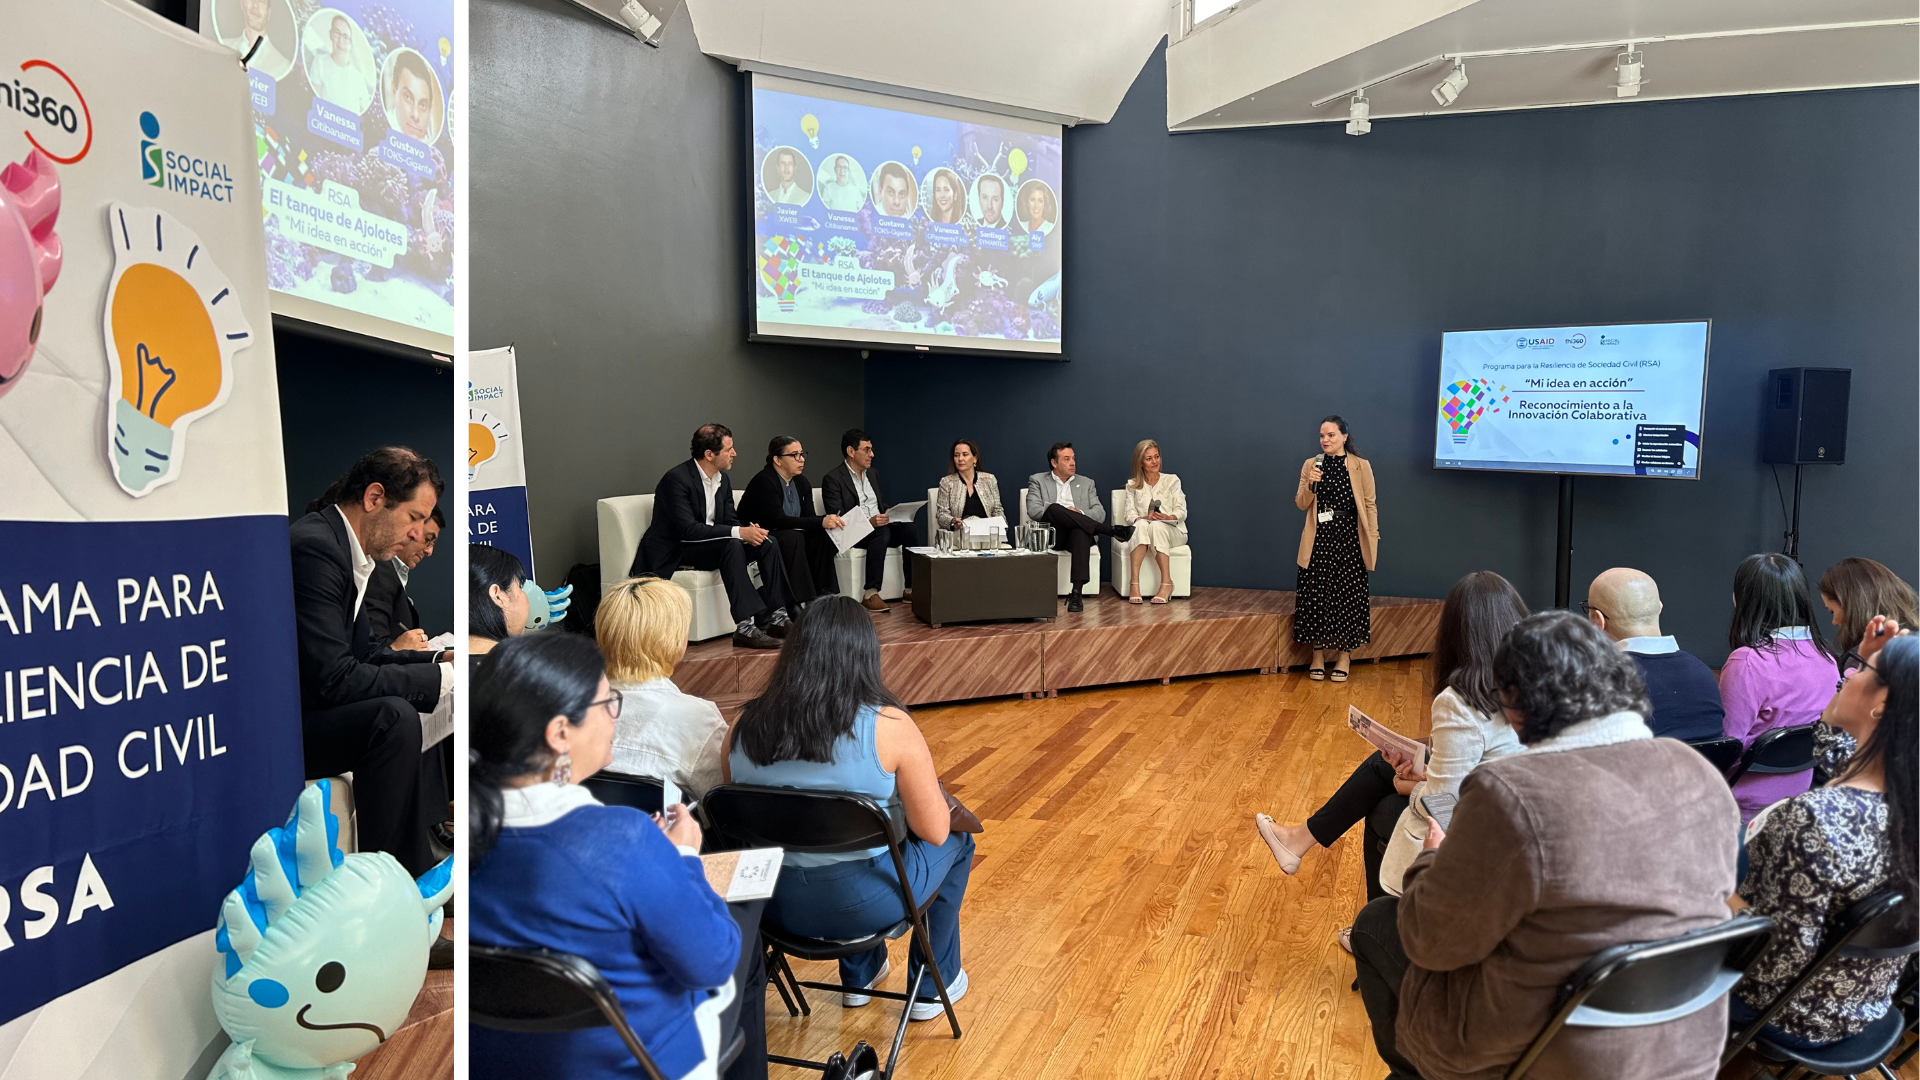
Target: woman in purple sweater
column 1780, row 672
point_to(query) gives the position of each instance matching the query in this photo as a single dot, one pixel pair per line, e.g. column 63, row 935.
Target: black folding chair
column 1639, row 985
column 1870, row 928
column 1721, row 752
column 1782, row 750
column 828, row 822
column 643, row 793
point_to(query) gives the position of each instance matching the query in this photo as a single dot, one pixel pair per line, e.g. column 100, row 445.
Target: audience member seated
column 780, row 500
column 966, row 492
column 1598, row 835
column 852, row 489
column 393, row 623
column 358, row 716
column 662, row 732
column 1069, row 502
column 1854, row 591
column 1820, row 851
column 826, row 723
column 1780, row 672
column 694, row 526
column 1468, row 728
column 554, row 869
column 1625, row 603
column 1157, row 509
column 496, row 598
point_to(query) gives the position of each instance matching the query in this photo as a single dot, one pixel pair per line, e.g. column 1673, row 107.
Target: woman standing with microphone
column 1338, row 546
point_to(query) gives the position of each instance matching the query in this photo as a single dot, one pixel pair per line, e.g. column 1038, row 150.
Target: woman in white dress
column 1157, row 509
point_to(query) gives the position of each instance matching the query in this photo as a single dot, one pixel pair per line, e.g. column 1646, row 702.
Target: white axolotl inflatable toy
column 322, row 954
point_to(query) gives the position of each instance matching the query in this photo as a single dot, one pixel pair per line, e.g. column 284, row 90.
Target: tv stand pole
column 1563, row 554
column 1793, row 527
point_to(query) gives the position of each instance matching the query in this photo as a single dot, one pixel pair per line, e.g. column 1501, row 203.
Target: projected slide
column 1625, row 400
column 350, row 119
column 884, row 221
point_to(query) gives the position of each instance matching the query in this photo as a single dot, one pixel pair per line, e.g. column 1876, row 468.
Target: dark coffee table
column 980, row 588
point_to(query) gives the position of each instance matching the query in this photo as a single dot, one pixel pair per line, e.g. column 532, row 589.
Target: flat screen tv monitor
column 901, row 224
column 1627, row 399
column 353, row 106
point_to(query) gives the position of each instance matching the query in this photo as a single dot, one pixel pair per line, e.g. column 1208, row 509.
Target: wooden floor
column 1124, row 920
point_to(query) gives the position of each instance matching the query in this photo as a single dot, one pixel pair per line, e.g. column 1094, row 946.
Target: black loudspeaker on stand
column 1804, row 423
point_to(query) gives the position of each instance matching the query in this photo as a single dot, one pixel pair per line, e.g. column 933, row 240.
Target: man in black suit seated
column 852, row 490
column 694, row 526
column 393, row 622
column 780, row 500
column 1625, row 604
column 356, row 715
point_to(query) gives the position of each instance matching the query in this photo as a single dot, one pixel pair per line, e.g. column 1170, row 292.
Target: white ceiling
column 1267, row 62
column 1072, row 59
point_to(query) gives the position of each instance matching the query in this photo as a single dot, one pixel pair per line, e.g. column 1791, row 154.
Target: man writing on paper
column 359, row 716
column 852, row 491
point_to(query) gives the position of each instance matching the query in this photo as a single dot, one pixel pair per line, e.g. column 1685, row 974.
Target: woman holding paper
column 542, row 720
column 1467, row 729
column 1338, row 547
column 966, row 492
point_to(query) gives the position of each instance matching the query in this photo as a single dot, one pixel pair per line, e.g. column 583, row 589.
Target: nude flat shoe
column 1289, row 862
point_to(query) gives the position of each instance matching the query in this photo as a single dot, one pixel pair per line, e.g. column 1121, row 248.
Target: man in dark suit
column 851, row 490
column 393, row 622
column 780, row 500
column 1625, row 604
column 358, row 716
column 694, row 526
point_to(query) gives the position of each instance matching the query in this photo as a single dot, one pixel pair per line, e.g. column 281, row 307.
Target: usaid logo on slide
column 171, row 170
column 1533, row 343
column 57, row 121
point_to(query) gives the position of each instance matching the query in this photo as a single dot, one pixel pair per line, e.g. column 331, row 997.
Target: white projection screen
column 902, row 224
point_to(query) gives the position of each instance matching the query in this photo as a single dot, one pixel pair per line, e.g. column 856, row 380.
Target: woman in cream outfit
column 966, row 491
column 1156, row 529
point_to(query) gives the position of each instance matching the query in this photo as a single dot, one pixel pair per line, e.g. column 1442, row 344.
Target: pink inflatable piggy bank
column 29, row 258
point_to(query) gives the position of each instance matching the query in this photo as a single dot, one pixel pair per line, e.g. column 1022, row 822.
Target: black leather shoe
column 1073, row 601
column 1123, row 533
column 756, row 640
column 777, row 630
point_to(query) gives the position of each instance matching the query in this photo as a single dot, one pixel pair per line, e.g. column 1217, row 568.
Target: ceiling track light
column 1449, row 88
column 1627, row 67
column 1358, row 114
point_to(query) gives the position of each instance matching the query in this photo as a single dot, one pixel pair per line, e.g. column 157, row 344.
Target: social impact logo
column 172, row 170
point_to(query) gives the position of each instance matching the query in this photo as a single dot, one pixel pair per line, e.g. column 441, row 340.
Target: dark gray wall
column 1225, row 290
column 336, row 403
column 607, row 212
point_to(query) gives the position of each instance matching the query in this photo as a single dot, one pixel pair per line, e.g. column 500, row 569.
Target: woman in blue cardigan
column 554, row 869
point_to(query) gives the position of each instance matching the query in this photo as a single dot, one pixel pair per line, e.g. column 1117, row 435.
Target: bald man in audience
column 1625, row 603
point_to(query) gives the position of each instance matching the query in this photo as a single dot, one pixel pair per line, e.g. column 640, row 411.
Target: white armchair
column 1064, row 581
column 623, row 521
column 851, row 565
column 1179, row 561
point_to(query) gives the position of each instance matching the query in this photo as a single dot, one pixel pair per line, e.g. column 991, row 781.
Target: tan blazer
column 952, row 498
column 1305, row 499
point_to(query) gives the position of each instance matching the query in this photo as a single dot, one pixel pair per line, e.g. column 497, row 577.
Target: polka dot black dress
column 1331, row 609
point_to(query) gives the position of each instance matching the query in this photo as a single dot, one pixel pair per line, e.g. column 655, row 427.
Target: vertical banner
column 149, row 724
column 496, row 471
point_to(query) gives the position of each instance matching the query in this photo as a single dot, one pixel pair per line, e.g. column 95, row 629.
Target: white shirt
column 362, row 565
column 1650, row 646
column 847, row 197
column 868, row 500
column 1063, row 493
column 712, row 484
column 347, row 85
column 1046, row 228
column 668, row 733
column 789, row 194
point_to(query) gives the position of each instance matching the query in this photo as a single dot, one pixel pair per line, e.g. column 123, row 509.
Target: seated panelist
column 1154, row 504
column 1069, row 502
column 966, row 492
column 780, row 500
column 393, row 622
column 852, row 488
column 694, row 526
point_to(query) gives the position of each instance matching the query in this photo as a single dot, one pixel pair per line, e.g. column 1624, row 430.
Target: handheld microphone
column 1319, row 462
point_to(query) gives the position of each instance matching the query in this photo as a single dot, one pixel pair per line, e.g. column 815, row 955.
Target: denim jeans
column 852, row 899
column 1740, row 1014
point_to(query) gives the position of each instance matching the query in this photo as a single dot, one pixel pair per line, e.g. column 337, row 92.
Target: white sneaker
column 854, row 1001
column 927, row 1010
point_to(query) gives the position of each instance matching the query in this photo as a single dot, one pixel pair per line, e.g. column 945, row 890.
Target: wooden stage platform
column 1112, row 641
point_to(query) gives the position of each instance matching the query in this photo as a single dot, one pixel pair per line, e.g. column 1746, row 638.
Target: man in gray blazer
column 1071, row 504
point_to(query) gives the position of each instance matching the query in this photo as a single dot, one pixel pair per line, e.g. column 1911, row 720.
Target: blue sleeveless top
column 855, row 767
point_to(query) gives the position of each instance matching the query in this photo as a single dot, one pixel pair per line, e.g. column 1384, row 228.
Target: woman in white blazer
column 1156, row 507
column 966, row 491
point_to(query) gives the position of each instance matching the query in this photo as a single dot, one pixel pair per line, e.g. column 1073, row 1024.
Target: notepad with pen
column 743, row 875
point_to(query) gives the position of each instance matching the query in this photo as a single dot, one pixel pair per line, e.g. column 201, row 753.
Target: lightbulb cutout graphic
column 172, row 326
column 810, row 127
column 485, row 433
column 1017, row 163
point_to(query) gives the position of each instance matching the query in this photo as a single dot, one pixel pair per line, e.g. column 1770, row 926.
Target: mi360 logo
column 56, row 119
